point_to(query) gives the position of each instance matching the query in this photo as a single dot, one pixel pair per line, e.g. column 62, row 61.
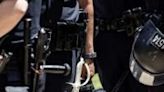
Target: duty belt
column 128, row 21
column 104, row 25
column 69, row 35
column 117, row 25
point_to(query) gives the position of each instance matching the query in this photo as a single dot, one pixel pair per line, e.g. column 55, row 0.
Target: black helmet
column 147, row 56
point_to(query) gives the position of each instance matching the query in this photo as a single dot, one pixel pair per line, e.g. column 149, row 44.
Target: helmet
column 147, row 55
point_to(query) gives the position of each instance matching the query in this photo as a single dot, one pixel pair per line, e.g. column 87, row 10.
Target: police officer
column 68, row 12
column 112, row 43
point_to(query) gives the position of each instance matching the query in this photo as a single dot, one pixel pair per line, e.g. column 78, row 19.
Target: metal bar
column 27, row 24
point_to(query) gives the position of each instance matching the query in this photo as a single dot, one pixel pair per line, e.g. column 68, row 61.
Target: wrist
column 89, row 49
column 90, row 55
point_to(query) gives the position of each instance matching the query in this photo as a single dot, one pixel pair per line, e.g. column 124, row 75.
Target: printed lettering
column 158, row 42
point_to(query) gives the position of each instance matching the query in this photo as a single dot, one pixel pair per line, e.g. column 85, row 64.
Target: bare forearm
column 11, row 12
column 88, row 7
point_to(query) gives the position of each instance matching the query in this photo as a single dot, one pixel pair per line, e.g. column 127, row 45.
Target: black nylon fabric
column 70, row 3
column 155, row 5
column 109, row 9
column 54, row 10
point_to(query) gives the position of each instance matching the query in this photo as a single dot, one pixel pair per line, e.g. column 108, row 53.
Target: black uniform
column 112, row 46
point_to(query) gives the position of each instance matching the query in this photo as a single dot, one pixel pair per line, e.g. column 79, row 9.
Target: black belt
column 116, row 25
